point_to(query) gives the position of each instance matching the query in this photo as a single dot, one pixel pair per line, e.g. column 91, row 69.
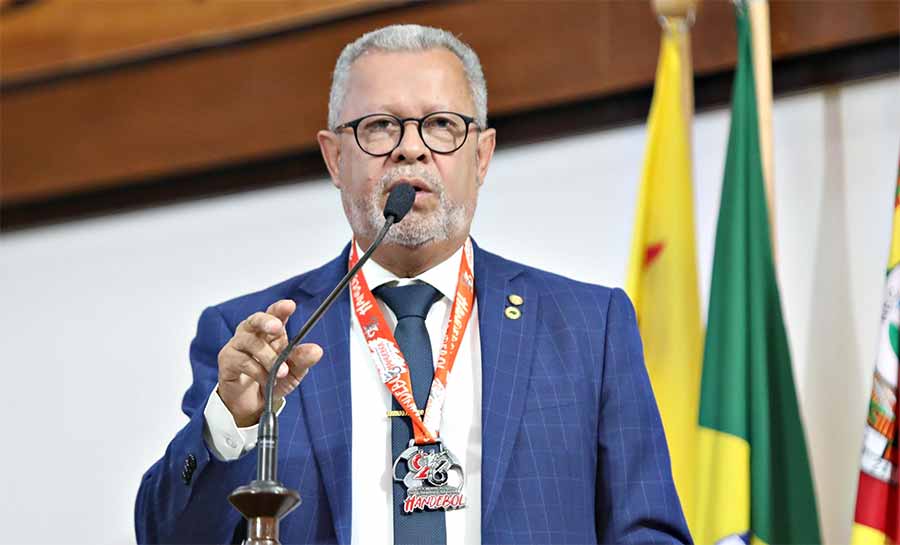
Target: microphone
column 265, row 501
column 399, row 202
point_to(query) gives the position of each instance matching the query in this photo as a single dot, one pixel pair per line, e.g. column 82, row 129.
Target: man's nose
column 411, row 148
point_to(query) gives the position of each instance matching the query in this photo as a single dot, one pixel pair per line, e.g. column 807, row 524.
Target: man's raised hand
column 246, row 359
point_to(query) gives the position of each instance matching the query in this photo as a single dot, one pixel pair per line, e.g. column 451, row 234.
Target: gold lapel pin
column 513, row 313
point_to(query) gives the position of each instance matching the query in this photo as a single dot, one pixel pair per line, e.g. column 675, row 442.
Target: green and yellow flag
column 662, row 276
column 877, row 517
column 754, row 482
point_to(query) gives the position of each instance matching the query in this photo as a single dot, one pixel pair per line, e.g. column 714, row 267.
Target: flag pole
column 679, row 15
column 666, row 285
column 758, row 10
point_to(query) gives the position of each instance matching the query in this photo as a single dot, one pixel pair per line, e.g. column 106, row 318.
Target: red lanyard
column 388, row 359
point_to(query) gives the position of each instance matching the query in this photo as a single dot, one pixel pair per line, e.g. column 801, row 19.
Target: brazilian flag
column 754, row 482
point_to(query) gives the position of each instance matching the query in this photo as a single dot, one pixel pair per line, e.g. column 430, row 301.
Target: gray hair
column 407, row 38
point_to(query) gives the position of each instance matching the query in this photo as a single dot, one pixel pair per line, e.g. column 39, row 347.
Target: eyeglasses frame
column 403, row 121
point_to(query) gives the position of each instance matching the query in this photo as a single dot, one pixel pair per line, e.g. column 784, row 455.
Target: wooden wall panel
column 268, row 97
column 43, row 36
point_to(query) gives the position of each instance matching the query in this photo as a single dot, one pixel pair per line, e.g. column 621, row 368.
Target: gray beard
column 366, row 216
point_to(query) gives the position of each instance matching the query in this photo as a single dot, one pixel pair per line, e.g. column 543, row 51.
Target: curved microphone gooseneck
column 399, row 202
column 264, row 501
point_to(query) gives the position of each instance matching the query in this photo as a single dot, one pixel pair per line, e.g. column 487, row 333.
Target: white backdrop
column 96, row 315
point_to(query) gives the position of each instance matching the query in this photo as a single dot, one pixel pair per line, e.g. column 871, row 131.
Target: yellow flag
column 662, row 275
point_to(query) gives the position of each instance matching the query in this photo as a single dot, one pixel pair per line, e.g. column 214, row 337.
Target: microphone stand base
column 263, row 504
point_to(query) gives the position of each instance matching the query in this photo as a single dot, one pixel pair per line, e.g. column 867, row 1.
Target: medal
column 434, row 478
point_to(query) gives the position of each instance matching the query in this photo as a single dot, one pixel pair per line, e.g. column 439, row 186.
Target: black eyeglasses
column 380, row 134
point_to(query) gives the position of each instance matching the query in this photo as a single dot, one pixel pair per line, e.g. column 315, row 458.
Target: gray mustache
column 434, row 183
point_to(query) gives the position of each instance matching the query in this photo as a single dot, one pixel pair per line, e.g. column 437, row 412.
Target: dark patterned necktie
column 410, row 304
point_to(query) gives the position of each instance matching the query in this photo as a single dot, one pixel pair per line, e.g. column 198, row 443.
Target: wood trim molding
column 43, row 38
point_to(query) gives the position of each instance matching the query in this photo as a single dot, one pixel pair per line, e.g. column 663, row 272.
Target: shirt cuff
column 225, row 440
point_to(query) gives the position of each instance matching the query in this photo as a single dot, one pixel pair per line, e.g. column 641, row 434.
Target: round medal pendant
column 433, row 477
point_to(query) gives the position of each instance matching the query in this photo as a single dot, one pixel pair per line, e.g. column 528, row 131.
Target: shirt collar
column 442, row 276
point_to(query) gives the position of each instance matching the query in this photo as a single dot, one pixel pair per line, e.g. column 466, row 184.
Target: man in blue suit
column 545, row 401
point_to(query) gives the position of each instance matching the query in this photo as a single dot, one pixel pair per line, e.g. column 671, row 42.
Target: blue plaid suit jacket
column 573, row 446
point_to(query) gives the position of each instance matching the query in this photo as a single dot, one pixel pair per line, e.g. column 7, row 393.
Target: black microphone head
column 399, row 201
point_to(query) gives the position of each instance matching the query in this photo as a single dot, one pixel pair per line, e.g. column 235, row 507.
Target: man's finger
column 285, row 385
column 303, row 357
column 261, row 322
column 255, row 371
column 279, row 343
column 256, row 348
column 282, row 309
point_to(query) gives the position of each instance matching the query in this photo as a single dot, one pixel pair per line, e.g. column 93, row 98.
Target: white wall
column 96, row 315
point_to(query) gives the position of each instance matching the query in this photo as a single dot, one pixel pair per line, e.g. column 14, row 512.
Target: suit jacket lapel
column 325, row 391
column 506, row 356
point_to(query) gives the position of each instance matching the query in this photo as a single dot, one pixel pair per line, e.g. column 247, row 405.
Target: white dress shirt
column 372, row 498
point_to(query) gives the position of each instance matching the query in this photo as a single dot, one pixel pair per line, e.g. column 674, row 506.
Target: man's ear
column 484, row 151
column 330, row 146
